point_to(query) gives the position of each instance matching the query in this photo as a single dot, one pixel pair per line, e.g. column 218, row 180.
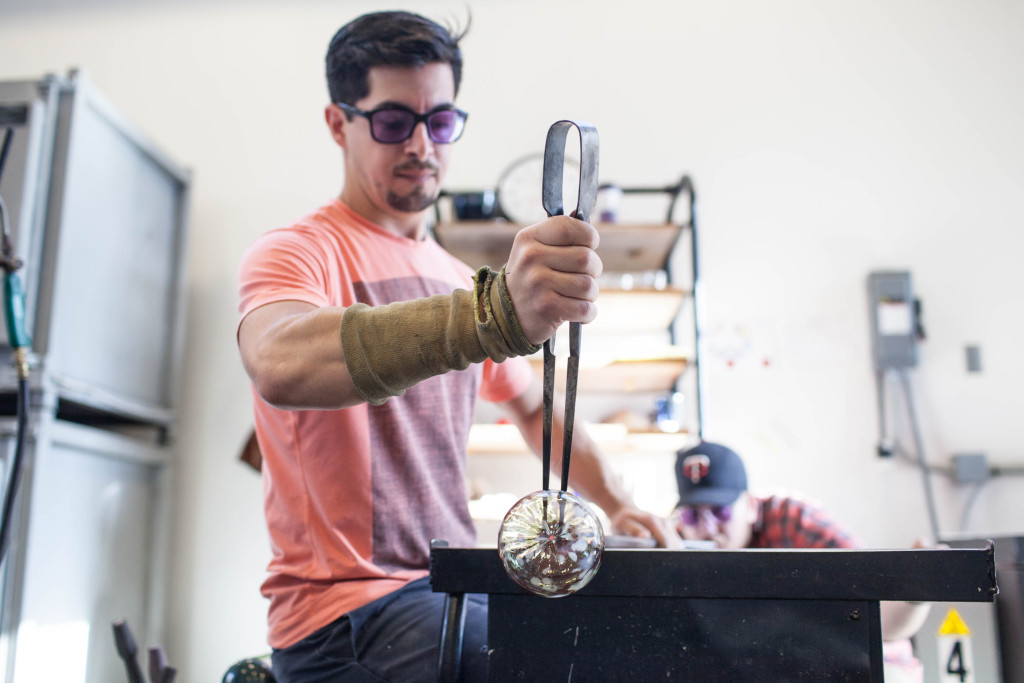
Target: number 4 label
column 956, row 659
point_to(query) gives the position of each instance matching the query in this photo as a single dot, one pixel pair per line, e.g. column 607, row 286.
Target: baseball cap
column 709, row 474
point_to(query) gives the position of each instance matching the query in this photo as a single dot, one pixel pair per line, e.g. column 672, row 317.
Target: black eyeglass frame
column 417, row 119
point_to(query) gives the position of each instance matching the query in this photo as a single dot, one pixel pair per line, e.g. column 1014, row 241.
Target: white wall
column 826, row 140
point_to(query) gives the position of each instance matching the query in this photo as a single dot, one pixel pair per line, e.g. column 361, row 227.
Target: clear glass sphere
column 551, row 543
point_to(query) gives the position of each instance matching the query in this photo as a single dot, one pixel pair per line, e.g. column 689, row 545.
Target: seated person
column 715, row 505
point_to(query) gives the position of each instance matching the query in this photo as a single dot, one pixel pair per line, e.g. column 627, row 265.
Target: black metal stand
column 708, row 615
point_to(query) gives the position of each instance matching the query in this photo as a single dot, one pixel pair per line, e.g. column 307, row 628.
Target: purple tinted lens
column 690, row 516
column 392, row 125
column 445, row 126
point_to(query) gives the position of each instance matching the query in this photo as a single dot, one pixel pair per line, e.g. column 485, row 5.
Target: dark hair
column 387, row 39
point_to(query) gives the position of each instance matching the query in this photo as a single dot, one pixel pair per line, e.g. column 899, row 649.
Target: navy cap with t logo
column 709, row 474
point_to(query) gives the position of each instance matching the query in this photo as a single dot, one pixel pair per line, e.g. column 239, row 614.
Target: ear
column 755, row 508
column 749, row 507
column 336, row 123
column 752, row 511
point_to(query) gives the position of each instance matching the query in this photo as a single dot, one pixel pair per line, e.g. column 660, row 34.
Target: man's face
column 728, row 526
column 392, row 184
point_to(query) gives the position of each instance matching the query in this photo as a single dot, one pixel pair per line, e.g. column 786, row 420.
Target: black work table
column 707, row 615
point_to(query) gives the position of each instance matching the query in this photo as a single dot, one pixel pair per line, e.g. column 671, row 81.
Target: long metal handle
column 571, row 380
column 549, row 401
column 554, row 174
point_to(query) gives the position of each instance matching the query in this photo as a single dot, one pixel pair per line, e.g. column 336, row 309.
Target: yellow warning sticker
column 953, row 625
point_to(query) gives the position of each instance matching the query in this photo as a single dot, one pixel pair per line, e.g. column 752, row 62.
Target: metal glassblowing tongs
column 554, row 174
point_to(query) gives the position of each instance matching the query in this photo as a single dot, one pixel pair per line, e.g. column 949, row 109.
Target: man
column 715, row 505
column 367, row 346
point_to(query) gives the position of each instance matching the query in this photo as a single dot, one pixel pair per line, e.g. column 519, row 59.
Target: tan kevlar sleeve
column 391, row 348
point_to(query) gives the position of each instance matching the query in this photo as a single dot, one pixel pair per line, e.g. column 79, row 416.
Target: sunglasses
column 690, row 516
column 394, row 123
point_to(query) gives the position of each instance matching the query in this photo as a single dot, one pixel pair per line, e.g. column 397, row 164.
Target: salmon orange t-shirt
column 353, row 497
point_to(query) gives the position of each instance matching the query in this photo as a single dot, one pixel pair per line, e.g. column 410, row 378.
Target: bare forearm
column 589, row 474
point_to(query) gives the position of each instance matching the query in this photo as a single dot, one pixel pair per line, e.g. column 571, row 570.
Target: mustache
column 417, row 165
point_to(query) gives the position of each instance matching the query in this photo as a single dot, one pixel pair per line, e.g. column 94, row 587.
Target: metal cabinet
column 97, row 215
column 88, row 549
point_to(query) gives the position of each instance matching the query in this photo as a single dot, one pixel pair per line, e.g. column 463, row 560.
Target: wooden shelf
column 637, row 319
column 624, row 248
column 622, row 374
column 612, row 439
column 636, row 310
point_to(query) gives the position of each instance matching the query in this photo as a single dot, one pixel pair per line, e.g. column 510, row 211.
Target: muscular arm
column 292, row 352
column 589, row 473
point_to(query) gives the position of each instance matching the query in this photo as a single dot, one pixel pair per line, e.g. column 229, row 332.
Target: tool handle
column 157, row 664
column 127, row 649
column 554, row 169
column 553, row 190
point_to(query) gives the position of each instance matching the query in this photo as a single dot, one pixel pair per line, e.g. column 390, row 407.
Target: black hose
column 16, row 467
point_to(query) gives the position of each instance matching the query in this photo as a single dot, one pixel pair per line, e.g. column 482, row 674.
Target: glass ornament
column 551, row 543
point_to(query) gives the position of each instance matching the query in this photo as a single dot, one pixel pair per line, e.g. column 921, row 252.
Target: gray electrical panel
column 894, row 321
column 97, row 215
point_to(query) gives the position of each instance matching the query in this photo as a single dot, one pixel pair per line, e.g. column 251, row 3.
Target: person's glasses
column 690, row 516
column 394, row 123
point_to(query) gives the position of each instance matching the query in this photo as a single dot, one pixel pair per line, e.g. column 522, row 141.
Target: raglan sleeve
column 280, row 266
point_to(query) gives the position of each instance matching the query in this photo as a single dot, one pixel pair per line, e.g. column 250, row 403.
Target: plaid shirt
column 791, row 522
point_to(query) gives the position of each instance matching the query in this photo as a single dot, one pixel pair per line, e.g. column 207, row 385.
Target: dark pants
column 395, row 638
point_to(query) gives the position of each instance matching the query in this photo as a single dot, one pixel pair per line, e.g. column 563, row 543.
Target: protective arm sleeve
column 391, row 348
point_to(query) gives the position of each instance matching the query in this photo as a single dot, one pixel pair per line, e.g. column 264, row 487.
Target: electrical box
column 970, row 468
column 894, row 324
